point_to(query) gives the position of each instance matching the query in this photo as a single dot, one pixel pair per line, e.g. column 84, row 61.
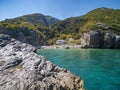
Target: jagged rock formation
column 22, row 69
column 97, row 39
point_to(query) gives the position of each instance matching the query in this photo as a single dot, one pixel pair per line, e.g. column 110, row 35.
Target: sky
column 60, row 9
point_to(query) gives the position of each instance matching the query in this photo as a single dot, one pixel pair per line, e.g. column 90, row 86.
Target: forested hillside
column 100, row 18
column 47, row 29
column 33, row 28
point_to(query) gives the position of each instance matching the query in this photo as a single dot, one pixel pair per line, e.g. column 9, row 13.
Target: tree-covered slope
column 47, row 29
column 100, row 18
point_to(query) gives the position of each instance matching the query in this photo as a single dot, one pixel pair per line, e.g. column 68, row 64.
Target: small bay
column 99, row 68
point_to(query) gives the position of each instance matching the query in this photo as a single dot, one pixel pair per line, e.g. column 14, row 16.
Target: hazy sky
column 57, row 8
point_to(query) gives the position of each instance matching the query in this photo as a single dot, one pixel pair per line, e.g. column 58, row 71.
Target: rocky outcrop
column 98, row 39
column 24, row 35
column 110, row 40
column 117, row 42
column 92, row 39
column 22, row 69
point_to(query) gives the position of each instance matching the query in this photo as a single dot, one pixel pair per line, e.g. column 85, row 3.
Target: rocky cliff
column 98, row 39
column 33, row 29
column 22, row 69
column 24, row 35
column 92, row 39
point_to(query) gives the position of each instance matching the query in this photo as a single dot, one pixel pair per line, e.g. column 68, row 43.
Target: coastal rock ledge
column 22, row 69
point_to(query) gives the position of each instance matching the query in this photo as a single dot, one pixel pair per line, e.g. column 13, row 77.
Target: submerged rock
column 22, row 69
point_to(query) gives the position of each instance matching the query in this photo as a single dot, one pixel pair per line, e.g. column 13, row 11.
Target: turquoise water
column 99, row 68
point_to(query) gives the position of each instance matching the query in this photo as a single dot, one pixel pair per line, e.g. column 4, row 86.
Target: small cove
column 99, row 68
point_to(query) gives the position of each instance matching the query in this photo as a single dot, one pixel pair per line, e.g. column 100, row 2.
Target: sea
column 99, row 68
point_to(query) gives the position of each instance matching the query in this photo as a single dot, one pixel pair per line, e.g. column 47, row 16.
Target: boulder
column 22, row 69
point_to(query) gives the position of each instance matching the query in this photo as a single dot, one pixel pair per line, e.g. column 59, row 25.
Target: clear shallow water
column 99, row 68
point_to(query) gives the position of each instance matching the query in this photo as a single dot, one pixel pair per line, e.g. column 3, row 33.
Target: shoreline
column 60, row 47
column 70, row 47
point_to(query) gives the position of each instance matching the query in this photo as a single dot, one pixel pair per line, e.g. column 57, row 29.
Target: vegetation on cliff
column 100, row 18
column 49, row 29
column 37, row 23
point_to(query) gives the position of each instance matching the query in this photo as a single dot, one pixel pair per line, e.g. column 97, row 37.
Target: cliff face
column 22, row 69
column 92, row 39
column 24, row 35
column 98, row 39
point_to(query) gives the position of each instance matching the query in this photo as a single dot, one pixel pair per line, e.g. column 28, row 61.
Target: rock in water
column 22, row 69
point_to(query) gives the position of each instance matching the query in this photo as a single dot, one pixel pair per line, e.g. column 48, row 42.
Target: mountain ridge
column 35, row 18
